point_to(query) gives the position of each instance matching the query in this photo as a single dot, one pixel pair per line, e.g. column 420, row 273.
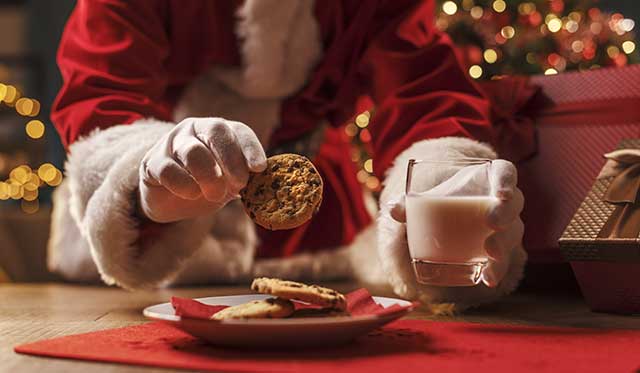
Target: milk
column 447, row 229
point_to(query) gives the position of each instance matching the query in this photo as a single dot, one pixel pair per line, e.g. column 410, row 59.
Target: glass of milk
column 446, row 224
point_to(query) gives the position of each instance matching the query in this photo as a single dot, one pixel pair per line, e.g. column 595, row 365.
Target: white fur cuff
column 102, row 171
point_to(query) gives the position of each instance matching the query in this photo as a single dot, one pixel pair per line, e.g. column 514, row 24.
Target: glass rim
column 467, row 160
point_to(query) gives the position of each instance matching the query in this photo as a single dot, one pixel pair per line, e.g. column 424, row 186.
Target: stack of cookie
column 328, row 302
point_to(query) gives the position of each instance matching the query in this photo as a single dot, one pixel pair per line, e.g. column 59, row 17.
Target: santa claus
column 167, row 106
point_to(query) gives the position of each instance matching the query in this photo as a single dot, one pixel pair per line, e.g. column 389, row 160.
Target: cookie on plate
column 313, row 294
column 286, row 195
column 272, row 308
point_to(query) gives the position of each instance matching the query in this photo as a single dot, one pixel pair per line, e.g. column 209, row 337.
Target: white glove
column 197, row 168
column 503, row 218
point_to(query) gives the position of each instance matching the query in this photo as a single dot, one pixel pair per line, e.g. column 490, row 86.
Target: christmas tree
column 497, row 38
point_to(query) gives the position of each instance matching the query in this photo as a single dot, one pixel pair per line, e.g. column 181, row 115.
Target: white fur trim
column 392, row 245
column 96, row 217
column 280, row 45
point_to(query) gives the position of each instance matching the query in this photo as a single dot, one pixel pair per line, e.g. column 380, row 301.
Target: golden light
column 4, row 191
column 362, row 120
column 9, row 94
column 554, row 24
column 490, row 56
column 30, row 207
column 550, row 71
column 613, row 51
column 56, row 180
column 467, row 4
column 30, row 195
column 577, row 46
column 362, row 176
column 476, row 12
column 351, row 130
column 26, row 106
column 372, row 183
column 526, row 8
column 475, row 71
column 531, row 58
column 449, row 7
column 47, row 172
column 628, row 47
column 499, row 6
column 20, row 174
column 16, row 191
column 508, row 32
column 368, row 165
column 35, row 129
column 571, row 26
column 575, row 16
column 34, row 179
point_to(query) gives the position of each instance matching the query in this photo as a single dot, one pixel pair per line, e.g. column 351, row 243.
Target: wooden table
column 31, row 312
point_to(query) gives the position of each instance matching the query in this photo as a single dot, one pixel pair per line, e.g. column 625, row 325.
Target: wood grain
column 30, row 312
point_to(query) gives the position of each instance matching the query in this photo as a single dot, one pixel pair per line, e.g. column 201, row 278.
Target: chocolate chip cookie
column 286, row 195
column 272, row 308
column 313, row 294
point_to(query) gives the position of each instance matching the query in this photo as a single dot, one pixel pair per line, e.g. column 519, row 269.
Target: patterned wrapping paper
column 607, row 268
column 569, row 152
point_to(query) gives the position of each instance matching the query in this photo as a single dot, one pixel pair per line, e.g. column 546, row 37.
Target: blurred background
column 495, row 38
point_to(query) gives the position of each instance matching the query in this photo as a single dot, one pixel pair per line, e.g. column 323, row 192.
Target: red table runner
column 407, row 345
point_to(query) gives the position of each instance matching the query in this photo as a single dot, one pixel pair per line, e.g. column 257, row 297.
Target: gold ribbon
column 624, row 166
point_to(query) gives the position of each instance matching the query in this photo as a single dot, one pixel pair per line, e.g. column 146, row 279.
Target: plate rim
column 282, row 322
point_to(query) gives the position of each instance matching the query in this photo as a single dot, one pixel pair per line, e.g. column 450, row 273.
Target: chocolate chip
column 271, row 300
column 274, row 168
column 312, row 170
column 295, row 285
column 290, row 169
column 275, row 184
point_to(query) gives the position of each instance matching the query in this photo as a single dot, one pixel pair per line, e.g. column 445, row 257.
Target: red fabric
column 359, row 303
column 125, row 60
column 407, row 345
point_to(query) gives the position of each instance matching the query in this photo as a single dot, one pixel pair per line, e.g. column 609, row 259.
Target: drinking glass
column 446, row 224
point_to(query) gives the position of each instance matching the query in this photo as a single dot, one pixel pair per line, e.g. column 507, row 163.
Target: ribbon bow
column 515, row 103
column 624, row 166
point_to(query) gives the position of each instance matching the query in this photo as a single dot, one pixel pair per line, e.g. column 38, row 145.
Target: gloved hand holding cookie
column 285, row 195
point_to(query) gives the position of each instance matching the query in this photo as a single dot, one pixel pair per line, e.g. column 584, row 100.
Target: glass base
column 448, row 274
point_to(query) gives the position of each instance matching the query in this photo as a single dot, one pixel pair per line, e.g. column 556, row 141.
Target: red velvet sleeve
column 111, row 57
column 420, row 89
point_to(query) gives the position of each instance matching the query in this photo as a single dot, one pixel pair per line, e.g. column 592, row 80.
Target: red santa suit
column 286, row 68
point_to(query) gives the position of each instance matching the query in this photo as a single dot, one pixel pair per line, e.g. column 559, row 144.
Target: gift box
column 602, row 241
column 556, row 128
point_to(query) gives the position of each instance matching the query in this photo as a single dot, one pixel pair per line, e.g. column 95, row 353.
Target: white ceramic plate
column 298, row 332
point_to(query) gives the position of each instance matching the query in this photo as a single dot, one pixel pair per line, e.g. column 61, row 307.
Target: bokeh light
column 35, row 129
column 628, row 47
column 475, row 71
column 499, row 6
column 490, row 56
column 449, row 7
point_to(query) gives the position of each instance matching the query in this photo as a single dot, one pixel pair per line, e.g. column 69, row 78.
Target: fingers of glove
column 221, row 140
column 168, row 173
column 503, row 177
column 397, row 210
column 199, row 161
column 504, row 212
column 499, row 244
column 250, row 146
column 495, row 272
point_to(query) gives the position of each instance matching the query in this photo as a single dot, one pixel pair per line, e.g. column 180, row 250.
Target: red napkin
column 359, row 303
column 407, row 345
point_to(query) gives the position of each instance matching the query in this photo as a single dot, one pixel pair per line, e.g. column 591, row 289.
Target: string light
column 449, row 7
column 34, row 129
column 368, row 165
column 554, row 25
column 475, row 71
column 628, row 47
column 613, row 51
column 499, row 6
column 476, row 12
column 508, row 32
column 362, row 120
column 351, row 130
column 490, row 55
column 550, row 71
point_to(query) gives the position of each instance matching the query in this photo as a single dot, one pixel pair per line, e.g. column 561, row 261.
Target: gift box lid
column 605, row 228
